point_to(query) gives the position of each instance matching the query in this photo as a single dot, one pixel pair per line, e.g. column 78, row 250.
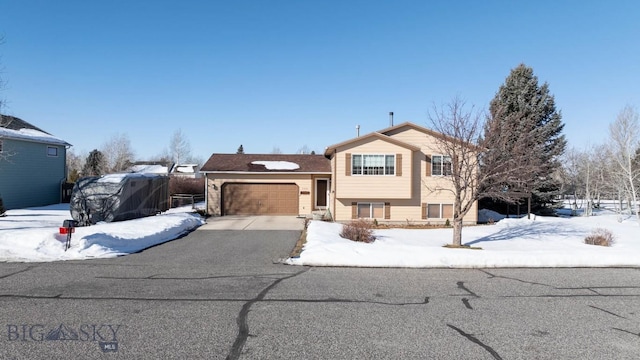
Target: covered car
column 118, row 197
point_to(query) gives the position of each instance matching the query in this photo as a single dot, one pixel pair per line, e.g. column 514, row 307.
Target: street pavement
column 218, row 294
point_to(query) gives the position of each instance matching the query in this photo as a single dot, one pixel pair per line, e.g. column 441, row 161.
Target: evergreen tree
column 240, row 150
column 95, row 164
column 523, row 112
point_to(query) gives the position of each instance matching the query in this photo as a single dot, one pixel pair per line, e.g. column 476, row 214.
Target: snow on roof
column 186, row 168
column 118, row 178
column 150, row 169
column 31, row 135
column 277, row 165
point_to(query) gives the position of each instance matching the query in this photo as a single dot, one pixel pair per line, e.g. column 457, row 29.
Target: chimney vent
column 357, row 130
column 391, row 118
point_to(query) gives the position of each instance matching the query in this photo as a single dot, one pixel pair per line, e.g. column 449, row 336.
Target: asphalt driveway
column 249, row 222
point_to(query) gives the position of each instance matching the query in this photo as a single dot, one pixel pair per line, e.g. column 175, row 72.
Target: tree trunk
column 457, row 232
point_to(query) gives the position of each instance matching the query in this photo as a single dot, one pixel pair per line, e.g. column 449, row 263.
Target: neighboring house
column 32, row 164
column 151, row 167
column 186, row 171
column 394, row 175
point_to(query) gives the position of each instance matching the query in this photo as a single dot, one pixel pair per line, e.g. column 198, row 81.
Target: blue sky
column 287, row 74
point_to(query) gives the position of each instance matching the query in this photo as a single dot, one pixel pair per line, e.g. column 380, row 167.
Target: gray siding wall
column 29, row 177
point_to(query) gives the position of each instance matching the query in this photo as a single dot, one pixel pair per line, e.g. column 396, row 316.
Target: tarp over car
column 118, row 197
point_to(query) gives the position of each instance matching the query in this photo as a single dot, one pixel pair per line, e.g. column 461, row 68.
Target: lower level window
column 440, row 211
column 371, row 210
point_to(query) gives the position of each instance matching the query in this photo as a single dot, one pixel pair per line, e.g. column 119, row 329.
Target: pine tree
column 525, row 113
column 240, row 150
column 95, row 164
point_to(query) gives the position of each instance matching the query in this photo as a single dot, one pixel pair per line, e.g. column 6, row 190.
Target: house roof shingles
column 244, row 163
column 16, row 128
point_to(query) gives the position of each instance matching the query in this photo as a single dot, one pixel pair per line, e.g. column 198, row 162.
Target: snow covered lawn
column 33, row 234
column 539, row 242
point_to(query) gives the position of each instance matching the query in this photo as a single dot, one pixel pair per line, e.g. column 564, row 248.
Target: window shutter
column 354, row 210
column 424, row 211
column 387, row 211
column 347, row 165
column 398, row 164
column 428, row 166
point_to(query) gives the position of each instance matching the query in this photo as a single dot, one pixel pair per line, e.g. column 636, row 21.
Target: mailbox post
column 68, row 228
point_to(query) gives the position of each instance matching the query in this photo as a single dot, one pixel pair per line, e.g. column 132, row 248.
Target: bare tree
column 624, row 136
column 276, row 150
column 305, row 150
column 474, row 172
column 583, row 175
column 460, row 129
column 179, row 147
column 118, row 153
column 75, row 163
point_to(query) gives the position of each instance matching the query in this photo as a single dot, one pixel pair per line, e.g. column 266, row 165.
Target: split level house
column 32, row 164
column 393, row 175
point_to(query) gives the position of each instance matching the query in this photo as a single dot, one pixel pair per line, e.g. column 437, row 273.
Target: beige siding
column 405, row 197
column 374, row 186
column 304, row 181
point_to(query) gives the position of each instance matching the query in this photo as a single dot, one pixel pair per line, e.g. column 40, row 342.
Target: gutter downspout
column 206, row 194
column 334, row 185
column 66, row 174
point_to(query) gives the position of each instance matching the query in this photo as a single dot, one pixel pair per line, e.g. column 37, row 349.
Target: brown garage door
column 260, row 199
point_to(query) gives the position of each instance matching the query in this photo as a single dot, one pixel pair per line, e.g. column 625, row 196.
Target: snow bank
column 543, row 242
column 33, row 235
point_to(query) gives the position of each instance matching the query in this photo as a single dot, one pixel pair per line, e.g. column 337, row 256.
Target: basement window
column 439, row 211
column 371, row 210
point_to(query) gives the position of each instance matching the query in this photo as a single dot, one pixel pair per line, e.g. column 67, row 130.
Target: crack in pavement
column 461, row 286
column 608, row 312
column 466, row 303
column 626, row 331
column 243, row 326
column 310, row 301
column 465, row 300
column 18, row 272
column 475, row 340
column 158, row 277
column 491, row 276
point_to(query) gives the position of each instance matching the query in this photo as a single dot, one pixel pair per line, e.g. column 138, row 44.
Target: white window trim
column 371, row 209
column 362, row 164
column 53, row 147
column 441, row 165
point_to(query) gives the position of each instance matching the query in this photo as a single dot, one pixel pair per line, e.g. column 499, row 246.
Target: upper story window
column 52, row 151
column 440, row 165
column 0, row 146
column 362, row 164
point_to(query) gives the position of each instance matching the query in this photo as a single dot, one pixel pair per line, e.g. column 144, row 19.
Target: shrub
column 358, row 230
column 447, row 223
column 601, row 237
column 180, row 185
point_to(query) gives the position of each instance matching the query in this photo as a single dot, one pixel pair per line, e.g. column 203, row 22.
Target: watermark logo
column 106, row 335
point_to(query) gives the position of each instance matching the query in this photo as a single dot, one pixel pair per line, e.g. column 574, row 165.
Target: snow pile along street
column 33, row 234
column 539, row 242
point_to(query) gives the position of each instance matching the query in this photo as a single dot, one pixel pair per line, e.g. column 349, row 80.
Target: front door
column 322, row 186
